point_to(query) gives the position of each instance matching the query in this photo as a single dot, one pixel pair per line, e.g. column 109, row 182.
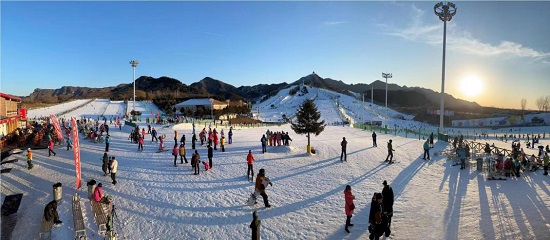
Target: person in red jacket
column 349, row 207
column 250, row 161
column 50, row 148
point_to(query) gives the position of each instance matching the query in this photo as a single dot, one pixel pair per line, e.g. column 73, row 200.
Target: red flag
column 55, row 123
column 76, row 149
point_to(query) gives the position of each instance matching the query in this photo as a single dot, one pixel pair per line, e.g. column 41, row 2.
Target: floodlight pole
column 445, row 12
column 386, row 76
column 134, row 64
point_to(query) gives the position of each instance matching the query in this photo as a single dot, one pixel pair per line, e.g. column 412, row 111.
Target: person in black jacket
column 374, row 139
column 344, row 155
column 255, row 225
column 387, row 201
column 105, row 163
column 193, row 141
column 377, row 219
column 50, row 213
column 210, row 155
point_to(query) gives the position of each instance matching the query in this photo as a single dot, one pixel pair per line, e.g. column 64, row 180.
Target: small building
column 194, row 104
column 9, row 113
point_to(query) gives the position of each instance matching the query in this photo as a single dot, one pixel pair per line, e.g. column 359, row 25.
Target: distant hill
column 167, row 91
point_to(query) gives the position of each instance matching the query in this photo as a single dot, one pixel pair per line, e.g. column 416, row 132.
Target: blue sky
column 502, row 46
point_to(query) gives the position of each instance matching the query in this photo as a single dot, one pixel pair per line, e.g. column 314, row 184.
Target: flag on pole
column 76, row 149
column 55, row 123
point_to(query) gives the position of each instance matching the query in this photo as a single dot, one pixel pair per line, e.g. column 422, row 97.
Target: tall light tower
column 445, row 12
column 386, row 76
column 134, row 64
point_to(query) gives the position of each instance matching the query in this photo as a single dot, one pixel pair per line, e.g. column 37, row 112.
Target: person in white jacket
column 114, row 166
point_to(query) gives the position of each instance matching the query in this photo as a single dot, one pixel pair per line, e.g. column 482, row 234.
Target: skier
column 349, row 207
column 50, row 213
column 250, row 162
column 210, row 155
column 387, row 201
column 50, row 148
column 182, row 153
column 344, row 155
column 264, row 144
column 374, row 139
column 261, row 183
column 114, row 166
column 175, row 153
column 255, row 225
column 426, row 150
column 390, row 152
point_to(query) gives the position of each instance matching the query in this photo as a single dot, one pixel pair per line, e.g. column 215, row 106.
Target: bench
column 46, row 229
column 79, row 228
column 99, row 216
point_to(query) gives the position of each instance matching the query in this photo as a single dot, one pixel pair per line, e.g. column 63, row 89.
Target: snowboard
column 252, row 199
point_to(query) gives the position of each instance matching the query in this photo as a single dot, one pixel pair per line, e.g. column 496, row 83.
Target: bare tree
column 523, row 104
column 546, row 103
column 540, row 103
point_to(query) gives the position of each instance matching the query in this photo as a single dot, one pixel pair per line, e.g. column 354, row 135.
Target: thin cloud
column 459, row 40
column 333, row 23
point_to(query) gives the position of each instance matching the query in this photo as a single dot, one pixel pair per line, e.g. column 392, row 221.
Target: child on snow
column 206, row 165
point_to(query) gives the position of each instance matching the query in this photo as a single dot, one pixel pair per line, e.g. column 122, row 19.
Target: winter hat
column 348, row 187
column 378, row 195
column 385, row 183
column 262, row 171
column 255, row 214
column 390, row 140
column 100, row 185
column 28, row 149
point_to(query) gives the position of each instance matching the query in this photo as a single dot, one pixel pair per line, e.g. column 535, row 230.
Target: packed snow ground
column 155, row 200
column 55, row 109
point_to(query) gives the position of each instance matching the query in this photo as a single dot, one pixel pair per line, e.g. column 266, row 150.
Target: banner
column 76, row 149
column 23, row 113
column 55, row 123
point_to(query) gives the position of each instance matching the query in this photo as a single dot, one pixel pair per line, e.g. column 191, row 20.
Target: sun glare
column 471, row 86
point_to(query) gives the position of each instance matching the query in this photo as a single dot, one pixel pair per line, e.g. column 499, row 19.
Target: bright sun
column 471, row 86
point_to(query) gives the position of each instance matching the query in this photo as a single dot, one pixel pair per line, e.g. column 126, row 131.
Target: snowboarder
column 387, row 201
column 182, row 154
column 250, row 162
column 175, row 152
column 374, row 139
column 50, row 213
column 426, row 150
column 210, row 155
column 255, row 225
column 390, row 152
column 343, row 155
column 114, row 166
column 349, row 207
column 261, row 183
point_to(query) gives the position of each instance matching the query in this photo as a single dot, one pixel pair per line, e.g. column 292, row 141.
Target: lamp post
column 386, row 76
column 134, row 64
column 445, row 12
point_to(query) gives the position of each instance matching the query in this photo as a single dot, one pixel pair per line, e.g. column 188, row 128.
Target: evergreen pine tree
column 307, row 118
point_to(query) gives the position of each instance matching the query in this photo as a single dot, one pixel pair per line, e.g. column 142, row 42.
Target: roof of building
column 7, row 96
column 201, row 102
